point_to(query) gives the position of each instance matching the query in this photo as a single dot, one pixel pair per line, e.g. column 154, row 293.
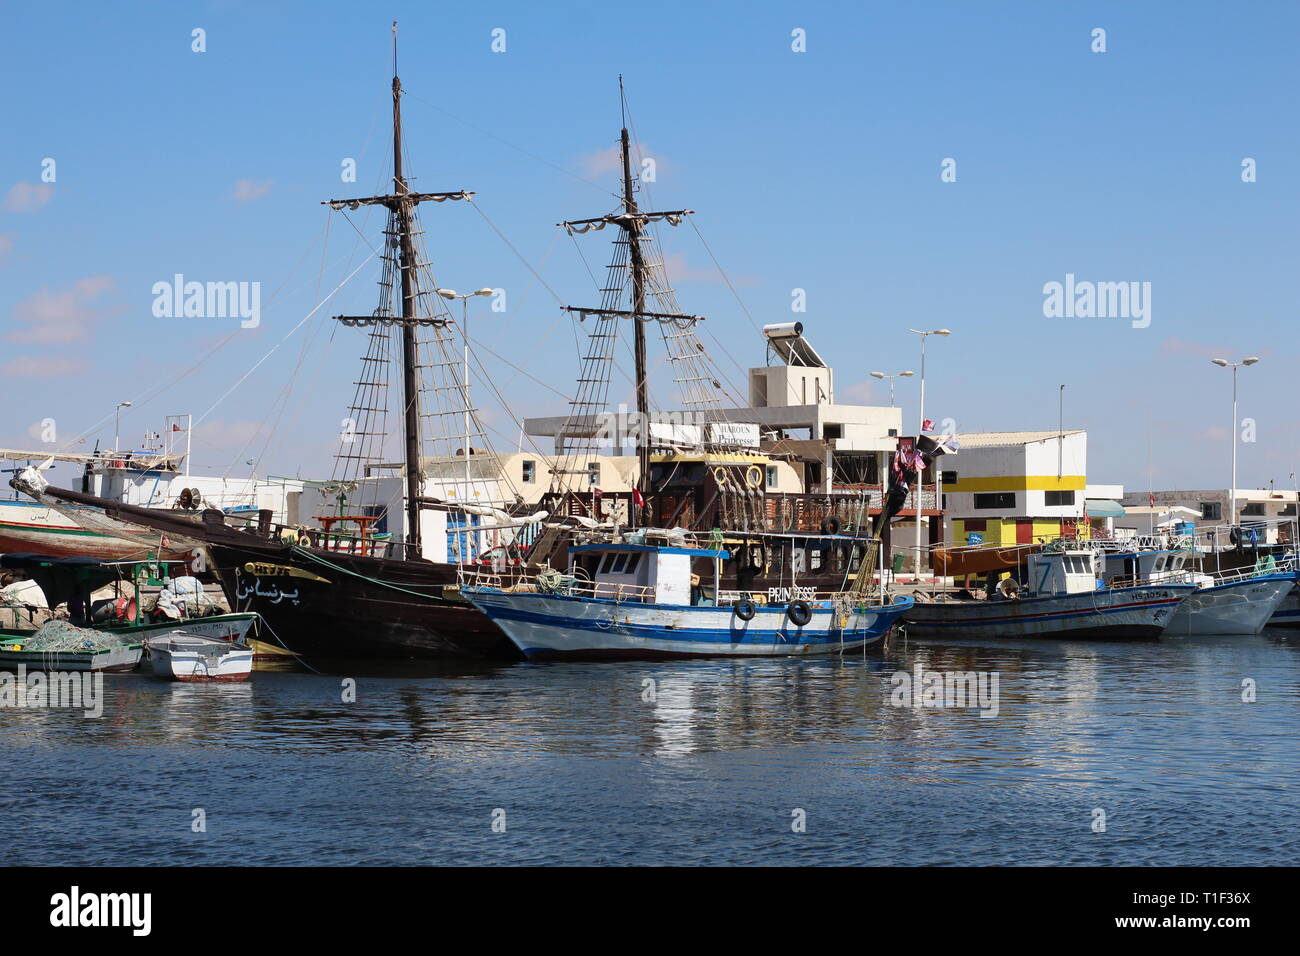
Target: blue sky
column 817, row 170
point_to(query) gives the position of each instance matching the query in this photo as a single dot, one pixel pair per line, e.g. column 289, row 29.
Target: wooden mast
column 401, row 204
column 410, row 380
column 632, row 221
column 632, row 225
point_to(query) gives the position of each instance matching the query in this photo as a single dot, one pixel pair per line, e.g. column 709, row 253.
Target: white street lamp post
column 452, row 294
column 1232, row 492
column 891, row 382
column 920, row 428
column 117, row 425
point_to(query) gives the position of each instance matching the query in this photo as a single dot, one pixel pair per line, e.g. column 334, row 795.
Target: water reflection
column 1066, row 710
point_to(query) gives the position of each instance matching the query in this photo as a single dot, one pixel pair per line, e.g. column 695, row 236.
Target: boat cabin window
column 1077, row 564
column 619, row 562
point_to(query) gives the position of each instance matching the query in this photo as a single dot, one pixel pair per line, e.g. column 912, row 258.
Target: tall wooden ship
column 348, row 588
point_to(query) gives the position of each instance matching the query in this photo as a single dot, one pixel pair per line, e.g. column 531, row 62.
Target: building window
column 949, row 477
column 995, row 499
column 977, row 524
column 1211, row 511
column 1253, row 510
column 771, row 476
column 1288, row 511
column 1059, row 499
column 530, row 470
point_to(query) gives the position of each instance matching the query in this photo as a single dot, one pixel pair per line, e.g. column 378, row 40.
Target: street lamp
column 117, row 425
column 891, row 378
column 1232, row 492
column 452, row 295
column 921, row 428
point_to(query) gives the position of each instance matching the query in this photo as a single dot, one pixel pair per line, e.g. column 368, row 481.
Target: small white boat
column 191, row 657
column 1233, row 607
column 1233, row 603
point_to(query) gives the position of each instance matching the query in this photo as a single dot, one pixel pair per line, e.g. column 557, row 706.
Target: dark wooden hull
column 362, row 607
column 367, row 607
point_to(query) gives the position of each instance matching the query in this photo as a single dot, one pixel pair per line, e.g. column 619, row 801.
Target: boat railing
column 1285, row 566
column 780, row 597
column 1190, row 576
column 572, row 582
column 1141, row 542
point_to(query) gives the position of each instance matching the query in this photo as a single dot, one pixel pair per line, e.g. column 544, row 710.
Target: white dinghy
column 179, row 655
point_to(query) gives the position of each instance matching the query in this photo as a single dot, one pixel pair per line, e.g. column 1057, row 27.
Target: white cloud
column 42, row 366
column 28, row 197
column 246, row 190
column 610, row 159
column 229, row 436
column 57, row 317
column 679, row 270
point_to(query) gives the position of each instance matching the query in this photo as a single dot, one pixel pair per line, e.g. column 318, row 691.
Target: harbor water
column 1099, row 753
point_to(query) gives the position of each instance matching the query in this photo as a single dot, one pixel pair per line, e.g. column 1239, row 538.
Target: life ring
column 744, row 609
column 830, row 525
column 799, row 613
column 720, row 475
column 754, row 476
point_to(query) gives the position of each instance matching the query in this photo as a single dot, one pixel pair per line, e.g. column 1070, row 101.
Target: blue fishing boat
column 642, row 601
column 1059, row 595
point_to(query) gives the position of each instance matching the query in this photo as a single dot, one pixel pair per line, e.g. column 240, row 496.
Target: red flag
column 597, row 492
column 175, row 427
column 636, row 497
column 1152, row 498
column 927, row 425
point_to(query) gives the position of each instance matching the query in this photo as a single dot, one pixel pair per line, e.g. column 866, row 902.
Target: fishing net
column 62, row 636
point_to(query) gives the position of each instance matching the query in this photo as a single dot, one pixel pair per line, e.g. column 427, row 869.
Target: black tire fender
column 744, row 609
column 799, row 613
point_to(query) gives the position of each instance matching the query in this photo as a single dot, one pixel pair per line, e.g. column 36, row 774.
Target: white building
column 1024, row 487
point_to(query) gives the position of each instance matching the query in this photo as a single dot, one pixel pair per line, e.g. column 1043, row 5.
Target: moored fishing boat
column 71, row 581
column 1224, row 602
column 1063, row 597
column 1244, row 606
column 60, row 646
column 641, row 603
